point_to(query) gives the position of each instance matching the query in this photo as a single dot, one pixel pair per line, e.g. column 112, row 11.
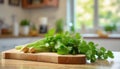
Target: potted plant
column 59, row 25
column 110, row 28
column 25, row 26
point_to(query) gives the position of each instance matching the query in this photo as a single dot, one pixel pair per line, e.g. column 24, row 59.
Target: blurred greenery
column 25, row 22
column 84, row 13
column 110, row 28
column 59, row 25
column 108, row 12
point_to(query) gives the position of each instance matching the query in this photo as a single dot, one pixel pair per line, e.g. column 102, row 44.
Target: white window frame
column 71, row 15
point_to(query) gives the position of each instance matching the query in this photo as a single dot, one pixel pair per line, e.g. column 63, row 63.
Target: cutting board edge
column 60, row 59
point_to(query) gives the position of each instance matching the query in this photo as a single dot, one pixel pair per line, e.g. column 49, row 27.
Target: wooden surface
column 52, row 3
column 21, row 64
column 44, row 57
column 46, row 3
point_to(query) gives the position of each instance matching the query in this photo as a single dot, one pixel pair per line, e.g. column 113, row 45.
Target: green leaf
column 77, row 36
column 63, row 50
column 102, row 49
column 88, row 54
column 91, row 46
column 110, row 54
column 51, row 32
column 105, row 56
column 93, row 58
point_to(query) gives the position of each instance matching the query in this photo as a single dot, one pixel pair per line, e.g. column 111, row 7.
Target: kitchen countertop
column 21, row 64
column 93, row 36
column 21, row 36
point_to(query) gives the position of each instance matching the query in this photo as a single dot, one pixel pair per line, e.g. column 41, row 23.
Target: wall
column 51, row 13
column 6, row 11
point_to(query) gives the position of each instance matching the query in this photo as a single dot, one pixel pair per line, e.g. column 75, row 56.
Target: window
column 109, row 12
column 94, row 14
column 84, row 13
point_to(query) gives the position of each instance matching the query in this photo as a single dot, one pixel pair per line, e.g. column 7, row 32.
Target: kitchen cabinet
column 39, row 3
column 51, row 3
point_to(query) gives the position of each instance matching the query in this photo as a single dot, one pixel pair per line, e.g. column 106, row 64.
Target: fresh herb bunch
column 67, row 43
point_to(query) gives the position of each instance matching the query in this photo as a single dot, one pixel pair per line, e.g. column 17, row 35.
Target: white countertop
column 96, row 36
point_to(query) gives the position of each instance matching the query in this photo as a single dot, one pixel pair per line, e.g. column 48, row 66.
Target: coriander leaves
column 70, row 43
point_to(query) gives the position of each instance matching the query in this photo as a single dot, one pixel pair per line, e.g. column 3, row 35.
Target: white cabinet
column 9, row 43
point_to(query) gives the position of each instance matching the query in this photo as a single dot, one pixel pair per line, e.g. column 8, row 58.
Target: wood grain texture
column 44, row 57
column 99, row 64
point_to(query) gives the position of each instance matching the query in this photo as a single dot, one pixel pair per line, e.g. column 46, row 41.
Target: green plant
column 25, row 22
column 67, row 43
column 110, row 28
column 59, row 25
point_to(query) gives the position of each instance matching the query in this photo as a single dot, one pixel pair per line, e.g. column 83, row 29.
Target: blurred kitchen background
column 24, row 21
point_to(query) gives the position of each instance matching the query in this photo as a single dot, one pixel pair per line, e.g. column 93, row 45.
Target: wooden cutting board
column 44, row 57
